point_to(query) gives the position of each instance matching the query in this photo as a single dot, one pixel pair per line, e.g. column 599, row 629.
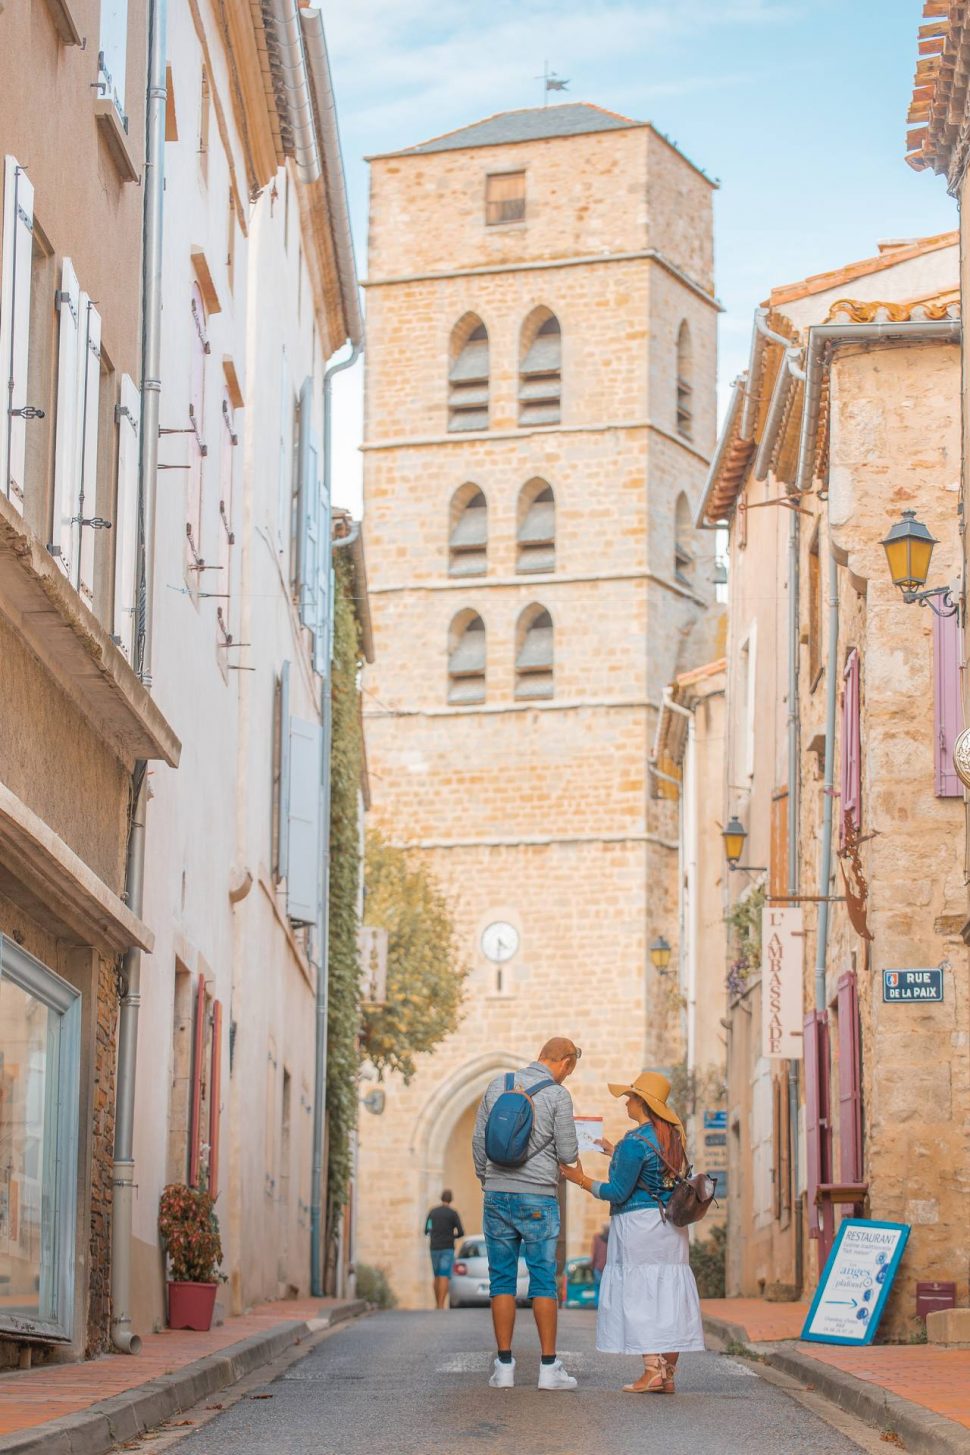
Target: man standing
column 522, row 1207
column 442, row 1227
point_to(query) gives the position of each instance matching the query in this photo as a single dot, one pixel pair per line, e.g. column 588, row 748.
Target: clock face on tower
column 500, row 941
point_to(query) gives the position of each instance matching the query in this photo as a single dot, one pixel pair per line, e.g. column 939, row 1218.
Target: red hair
column 671, row 1145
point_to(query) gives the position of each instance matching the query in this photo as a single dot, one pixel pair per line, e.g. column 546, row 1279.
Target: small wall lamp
column 734, row 837
column 909, row 549
column 660, row 955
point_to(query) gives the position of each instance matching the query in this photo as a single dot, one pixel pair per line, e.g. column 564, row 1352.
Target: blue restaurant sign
column 912, row 985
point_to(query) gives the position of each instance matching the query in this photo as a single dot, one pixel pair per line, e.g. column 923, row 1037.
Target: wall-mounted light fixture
column 660, row 955
column 734, row 837
column 909, row 548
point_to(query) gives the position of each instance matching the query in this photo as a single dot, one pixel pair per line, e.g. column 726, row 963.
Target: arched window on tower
column 468, row 375
column 467, row 532
column 534, row 653
column 536, row 533
column 466, row 659
column 540, row 372
column 683, row 552
column 685, row 386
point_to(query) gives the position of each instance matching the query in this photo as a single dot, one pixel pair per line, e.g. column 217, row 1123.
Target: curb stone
column 111, row 1422
column 923, row 1431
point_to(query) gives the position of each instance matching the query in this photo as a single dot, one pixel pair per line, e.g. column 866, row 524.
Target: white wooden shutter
column 126, row 517
column 308, row 524
column 303, row 825
column 90, row 374
column 283, row 784
column 67, row 464
column 15, row 267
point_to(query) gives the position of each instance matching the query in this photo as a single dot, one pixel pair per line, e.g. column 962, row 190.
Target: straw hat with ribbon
column 653, row 1089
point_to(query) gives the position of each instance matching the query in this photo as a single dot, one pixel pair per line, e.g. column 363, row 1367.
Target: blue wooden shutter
column 304, row 849
column 947, row 703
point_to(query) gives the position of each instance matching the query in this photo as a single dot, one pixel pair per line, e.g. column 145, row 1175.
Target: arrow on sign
column 845, row 1302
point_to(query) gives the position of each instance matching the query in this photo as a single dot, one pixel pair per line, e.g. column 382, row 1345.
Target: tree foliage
column 343, row 1009
column 425, row 976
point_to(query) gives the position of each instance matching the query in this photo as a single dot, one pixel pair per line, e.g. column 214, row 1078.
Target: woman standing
column 648, row 1301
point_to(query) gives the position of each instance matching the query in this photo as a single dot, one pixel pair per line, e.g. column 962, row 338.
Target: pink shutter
column 851, row 774
column 818, row 1129
column 947, row 703
column 850, row 1080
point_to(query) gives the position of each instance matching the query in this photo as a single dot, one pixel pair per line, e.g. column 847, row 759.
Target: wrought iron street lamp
column 734, row 837
column 909, row 549
column 660, row 955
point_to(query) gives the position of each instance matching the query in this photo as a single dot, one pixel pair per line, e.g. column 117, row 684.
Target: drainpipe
column 123, row 1176
column 794, row 734
column 831, row 693
column 323, row 897
column 787, row 373
column 759, row 334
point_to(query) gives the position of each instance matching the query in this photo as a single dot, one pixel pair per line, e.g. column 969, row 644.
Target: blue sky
column 798, row 107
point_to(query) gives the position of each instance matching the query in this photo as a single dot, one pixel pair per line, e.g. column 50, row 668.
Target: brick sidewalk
column 35, row 1396
column 928, row 1375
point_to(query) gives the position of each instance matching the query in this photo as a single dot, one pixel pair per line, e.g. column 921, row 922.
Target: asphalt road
column 415, row 1384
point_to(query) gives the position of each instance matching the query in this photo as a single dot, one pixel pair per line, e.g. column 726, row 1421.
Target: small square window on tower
column 504, row 197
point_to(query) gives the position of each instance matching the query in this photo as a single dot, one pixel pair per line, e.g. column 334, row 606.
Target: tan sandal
column 657, row 1378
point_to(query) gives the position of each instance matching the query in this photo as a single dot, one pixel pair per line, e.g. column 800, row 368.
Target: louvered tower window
column 540, row 373
column 683, row 555
column 468, row 377
column 685, row 388
column 537, row 528
column 466, row 659
column 534, row 654
column 468, row 533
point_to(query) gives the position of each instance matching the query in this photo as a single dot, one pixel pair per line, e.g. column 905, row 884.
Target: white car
column 469, row 1276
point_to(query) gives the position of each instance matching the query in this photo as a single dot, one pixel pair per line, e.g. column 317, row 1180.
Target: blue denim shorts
column 442, row 1261
column 518, row 1223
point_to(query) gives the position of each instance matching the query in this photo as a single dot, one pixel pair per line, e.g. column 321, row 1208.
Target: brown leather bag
column 692, row 1195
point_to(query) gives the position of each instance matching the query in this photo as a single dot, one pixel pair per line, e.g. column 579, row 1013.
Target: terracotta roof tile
column 822, row 282
column 940, row 89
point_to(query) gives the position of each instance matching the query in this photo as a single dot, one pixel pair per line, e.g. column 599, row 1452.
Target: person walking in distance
column 597, row 1253
column 442, row 1227
column 523, row 1131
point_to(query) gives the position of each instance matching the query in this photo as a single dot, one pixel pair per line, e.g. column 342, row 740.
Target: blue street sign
column 910, row 986
column 715, row 1139
column 715, row 1121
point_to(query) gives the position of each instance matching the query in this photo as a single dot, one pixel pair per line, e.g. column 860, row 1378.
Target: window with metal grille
column 534, row 654
column 468, row 532
column 685, row 388
column 540, row 372
column 504, row 197
column 466, row 659
column 536, row 534
column 468, row 376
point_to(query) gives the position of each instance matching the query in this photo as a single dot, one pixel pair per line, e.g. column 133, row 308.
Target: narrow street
column 415, row 1384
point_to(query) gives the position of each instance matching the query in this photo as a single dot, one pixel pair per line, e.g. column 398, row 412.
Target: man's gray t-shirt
column 553, row 1137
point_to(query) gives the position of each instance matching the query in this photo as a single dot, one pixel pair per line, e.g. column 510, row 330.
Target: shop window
column 40, row 1018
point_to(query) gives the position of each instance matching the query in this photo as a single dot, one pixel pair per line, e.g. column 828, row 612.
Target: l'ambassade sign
column 782, row 937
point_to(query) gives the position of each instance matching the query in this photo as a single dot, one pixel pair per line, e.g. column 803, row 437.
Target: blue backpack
column 510, row 1121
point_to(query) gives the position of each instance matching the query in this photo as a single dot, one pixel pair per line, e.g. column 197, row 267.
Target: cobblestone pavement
column 415, row 1384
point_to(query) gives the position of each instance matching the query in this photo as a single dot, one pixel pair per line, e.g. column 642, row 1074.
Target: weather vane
column 550, row 82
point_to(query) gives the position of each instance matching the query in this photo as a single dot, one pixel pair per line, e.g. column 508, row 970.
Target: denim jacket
column 636, row 1161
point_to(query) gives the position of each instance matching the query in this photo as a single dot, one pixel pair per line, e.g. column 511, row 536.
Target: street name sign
column 912, row 985
column 855, row 1282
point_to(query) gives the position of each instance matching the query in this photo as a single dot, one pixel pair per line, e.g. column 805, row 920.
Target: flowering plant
column 190, row 1234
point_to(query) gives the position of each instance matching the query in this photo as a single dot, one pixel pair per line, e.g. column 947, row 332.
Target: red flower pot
column 190, row 1306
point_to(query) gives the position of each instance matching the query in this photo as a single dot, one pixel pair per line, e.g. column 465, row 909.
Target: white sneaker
column 503, row 1375
column 554, row 1376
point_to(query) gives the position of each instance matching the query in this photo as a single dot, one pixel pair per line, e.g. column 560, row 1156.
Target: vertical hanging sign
column 782, row 937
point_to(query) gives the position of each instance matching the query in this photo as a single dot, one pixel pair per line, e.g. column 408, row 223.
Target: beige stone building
column 842, row 704
column 539, row 415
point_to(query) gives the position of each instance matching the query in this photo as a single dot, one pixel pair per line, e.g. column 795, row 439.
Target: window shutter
column 850, row 1080
column 126, row 517
column 303, row 824
column 283, row 785
column 851, row 773
column 67, row 466
column 948, row 702
column 215, row 1097
column 286, row 460
column 226, row 538
column 818, row 1127
column 89, row 371
column 308, row 515
column 198, row 1071
column 15, row 266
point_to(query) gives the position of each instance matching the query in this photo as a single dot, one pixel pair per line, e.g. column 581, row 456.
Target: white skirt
column 648, row 1300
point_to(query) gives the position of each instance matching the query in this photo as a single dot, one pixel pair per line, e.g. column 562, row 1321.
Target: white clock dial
column 500, row 941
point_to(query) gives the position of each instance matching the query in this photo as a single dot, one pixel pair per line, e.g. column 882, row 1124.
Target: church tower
column 540, row 412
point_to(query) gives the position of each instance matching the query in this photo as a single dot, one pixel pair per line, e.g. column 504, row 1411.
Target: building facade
column 539, row 410
column 842, row 705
